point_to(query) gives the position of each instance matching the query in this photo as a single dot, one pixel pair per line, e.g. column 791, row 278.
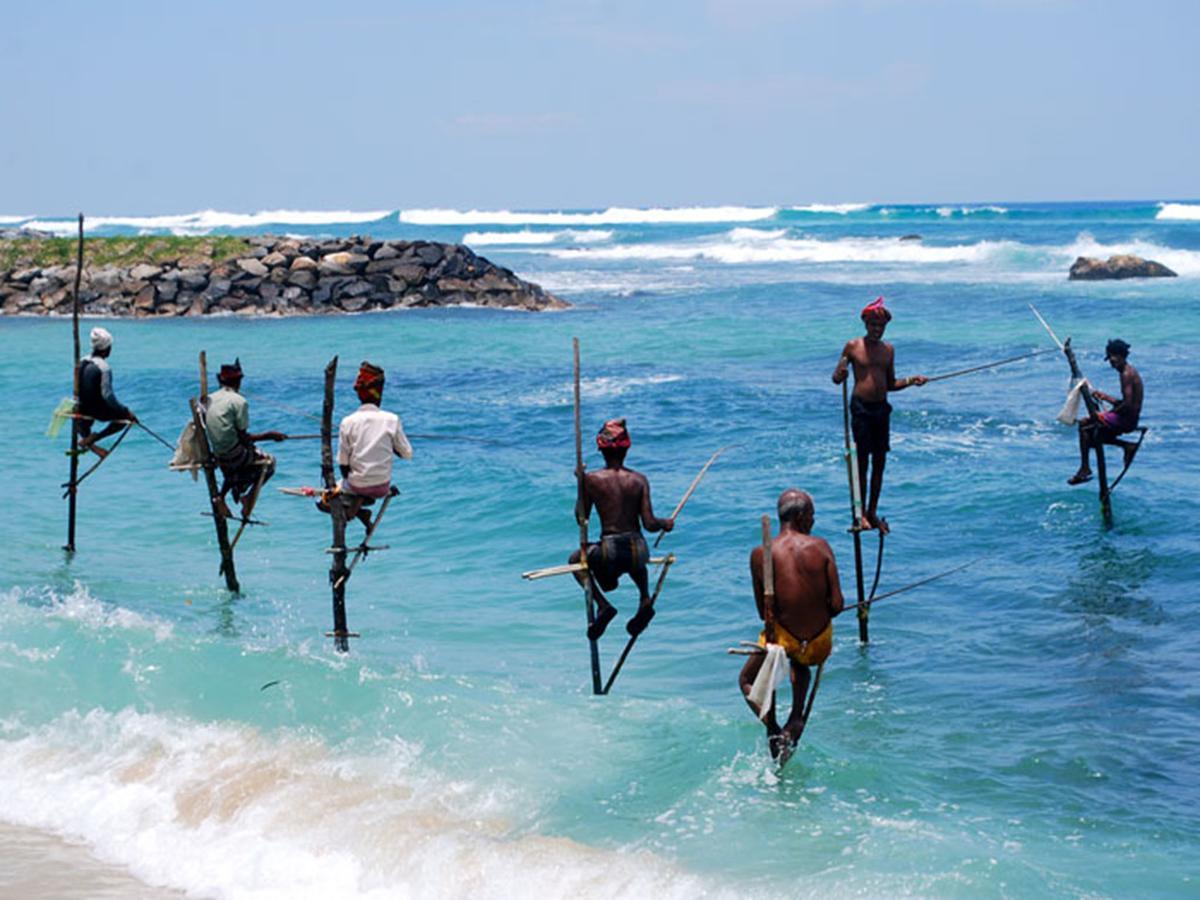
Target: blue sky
column 147, row 108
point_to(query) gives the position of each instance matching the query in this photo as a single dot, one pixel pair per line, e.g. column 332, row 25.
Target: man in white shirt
column 368, row 440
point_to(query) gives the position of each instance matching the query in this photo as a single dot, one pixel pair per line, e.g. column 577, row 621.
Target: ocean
column 1025, row 727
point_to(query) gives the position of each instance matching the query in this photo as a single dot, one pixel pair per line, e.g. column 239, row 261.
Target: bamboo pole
column 214, row 497
column 687, row 495
column 72, row 482
column 570, row 568
column 590, row 599
column 337, row 514
column 856, row 514
column 364, row 548
column 633, row 637
column 203, row 377
column 991, row 365
column 1093, row 408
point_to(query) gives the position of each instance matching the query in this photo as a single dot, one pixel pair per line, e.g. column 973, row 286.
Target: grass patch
column 119, row 251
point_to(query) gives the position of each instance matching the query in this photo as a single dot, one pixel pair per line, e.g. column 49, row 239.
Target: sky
column 169, row 107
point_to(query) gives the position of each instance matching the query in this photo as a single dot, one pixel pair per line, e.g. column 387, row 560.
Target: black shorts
column 871, row 425
column 616, row 555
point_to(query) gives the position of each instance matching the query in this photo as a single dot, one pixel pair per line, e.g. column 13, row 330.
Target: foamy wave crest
column 221, row 810
column 613, row 216
column 743, row 246
column 81, row 607
column 947, row 212
column 12, row 220
column 210, row 219
column 1179, row 212
column 840, row 209
column 527, row 237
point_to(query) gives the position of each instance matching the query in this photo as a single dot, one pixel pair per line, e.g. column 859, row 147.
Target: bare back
column 808, row 592
column 619, row 496
column 1131, row 394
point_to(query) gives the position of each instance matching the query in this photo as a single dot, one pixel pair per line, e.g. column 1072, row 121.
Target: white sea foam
column 12, row 220
column 81, row 607
column 743, row 246
column 223, row 810
column 209, row 219
column 1182, row 212
column 840, row 209
column 527, row 237
column 949, row 211
column 615, row 215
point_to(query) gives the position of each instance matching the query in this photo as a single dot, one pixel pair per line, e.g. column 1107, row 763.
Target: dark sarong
column 871, row 425
column 242, row 466
column 616, row 555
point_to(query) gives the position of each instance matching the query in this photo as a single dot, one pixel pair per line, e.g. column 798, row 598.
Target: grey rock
column 1087, row 268
column 166, row 290
column 144, row 272
column 253, row 267
column 386, row 251
column 303, row 263
column 304, row 278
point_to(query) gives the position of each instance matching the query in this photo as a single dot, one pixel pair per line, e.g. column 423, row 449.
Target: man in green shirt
column 227, row 421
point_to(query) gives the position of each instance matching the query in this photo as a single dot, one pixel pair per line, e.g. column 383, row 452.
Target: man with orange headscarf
column 870, row 413
column 368, row 440
column 622, row 497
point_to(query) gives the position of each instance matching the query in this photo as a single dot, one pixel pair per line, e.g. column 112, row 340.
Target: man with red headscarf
column 227, row 421
column 870, row 413
column 622, row 497
column 368, row 440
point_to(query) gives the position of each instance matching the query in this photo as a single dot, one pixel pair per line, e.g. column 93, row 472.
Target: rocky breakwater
column 274, row 276
column 1088, row 268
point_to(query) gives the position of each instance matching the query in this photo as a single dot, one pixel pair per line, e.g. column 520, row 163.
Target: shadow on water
column 1108, row 583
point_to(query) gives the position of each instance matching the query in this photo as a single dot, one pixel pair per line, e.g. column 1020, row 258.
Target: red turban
column 876, row 310
column 613, row 436
column 369, row 383
column 230, row 372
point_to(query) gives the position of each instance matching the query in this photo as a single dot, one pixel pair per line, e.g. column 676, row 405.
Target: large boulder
column 1087, row 268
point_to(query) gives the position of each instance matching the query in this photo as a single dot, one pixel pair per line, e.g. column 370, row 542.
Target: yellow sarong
column 805, row 653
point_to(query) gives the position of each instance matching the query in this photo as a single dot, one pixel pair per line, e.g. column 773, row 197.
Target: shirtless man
column 622, row 497
column 870, row 413
column 1121, row 419
column 808, row 595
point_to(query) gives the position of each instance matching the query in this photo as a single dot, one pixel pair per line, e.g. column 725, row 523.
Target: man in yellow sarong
column 808, row 595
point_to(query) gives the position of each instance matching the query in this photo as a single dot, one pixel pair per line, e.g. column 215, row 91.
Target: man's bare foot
column 221, row 508
column 863, row 524
column 777, row 742
column 1080, row 477
column 596, row 629
column 878, row 521
column 89, row 443
column 640, row 620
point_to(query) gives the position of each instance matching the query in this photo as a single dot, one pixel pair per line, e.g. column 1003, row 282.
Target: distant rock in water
column 270, row 276
column 1087, row 268
column 911, row 237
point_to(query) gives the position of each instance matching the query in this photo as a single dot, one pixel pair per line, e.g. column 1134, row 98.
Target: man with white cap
column 97, row 402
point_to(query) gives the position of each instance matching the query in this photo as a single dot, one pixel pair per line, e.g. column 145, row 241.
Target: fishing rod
column 1045, row 324
column 990, row 365
column 691, row 489
column 915, row 584
column 156, row 436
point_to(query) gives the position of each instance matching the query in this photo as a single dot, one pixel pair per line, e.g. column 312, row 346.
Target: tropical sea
column 1025, row 727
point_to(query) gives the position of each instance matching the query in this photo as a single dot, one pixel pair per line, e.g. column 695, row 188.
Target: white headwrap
column 101, row 339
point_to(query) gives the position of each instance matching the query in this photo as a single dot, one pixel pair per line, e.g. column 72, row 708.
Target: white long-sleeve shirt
column 368, row 438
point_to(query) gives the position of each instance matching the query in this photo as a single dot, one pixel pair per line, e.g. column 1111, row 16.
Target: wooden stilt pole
column 72, row 483
column 583, row 527
column 337, row 514
column 214, row 496
column 856, row 514
column 633, row 638
column 1093, row 408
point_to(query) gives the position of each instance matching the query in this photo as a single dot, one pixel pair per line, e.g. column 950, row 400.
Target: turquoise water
column 1025, row 727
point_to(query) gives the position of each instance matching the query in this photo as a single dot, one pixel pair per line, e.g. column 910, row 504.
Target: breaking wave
column 840, row 209
column 1179, row 212
column 615, row 215
column 227, row 810
column 527, row 237
column 209, row 220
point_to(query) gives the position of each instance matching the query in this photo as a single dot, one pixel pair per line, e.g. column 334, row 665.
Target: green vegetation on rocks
column 21, row 253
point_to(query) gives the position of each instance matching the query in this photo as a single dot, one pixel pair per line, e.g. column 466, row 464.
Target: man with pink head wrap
column 870, row 413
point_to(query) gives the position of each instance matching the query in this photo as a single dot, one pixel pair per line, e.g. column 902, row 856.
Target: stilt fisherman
column 870, row 413
column 622, row 497
column 227, row 421
column 369, row 439
column 1107, row 427
column 808, row 595
column 97, row 402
